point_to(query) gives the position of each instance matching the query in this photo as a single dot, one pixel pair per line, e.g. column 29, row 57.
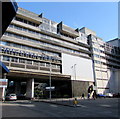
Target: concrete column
column 30, row 89
column 4, row 88
column 3, row 93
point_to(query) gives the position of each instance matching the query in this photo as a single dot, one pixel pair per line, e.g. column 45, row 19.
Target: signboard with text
column 3, row 82
column 48, row 88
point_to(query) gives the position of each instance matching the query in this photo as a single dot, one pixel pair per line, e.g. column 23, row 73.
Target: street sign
column 3, row 82
column 48, row 88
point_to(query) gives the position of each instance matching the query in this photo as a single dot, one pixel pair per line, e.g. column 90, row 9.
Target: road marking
column 105, row 105
column 53, row 105
column 27, row 105
column 81, row 105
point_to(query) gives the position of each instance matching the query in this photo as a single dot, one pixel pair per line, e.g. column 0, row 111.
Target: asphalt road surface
column 107, row 107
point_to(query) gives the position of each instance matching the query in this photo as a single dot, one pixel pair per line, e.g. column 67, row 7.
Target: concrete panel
column 98, row 74
column 79, row 87
column 82, row 71
column 100, row 83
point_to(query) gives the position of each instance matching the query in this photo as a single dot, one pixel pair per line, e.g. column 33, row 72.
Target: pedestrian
column 94, row 95
column 83, row 96
column 88, row 95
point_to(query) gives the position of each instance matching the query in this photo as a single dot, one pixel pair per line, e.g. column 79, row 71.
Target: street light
column 49, row 76
column 50, row 80
column 74, row 66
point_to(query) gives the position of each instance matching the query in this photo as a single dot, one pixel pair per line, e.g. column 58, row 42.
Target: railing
column 31, row 67
column 65, row 29
column 29, row 15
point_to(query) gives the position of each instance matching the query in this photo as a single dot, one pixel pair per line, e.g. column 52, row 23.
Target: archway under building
column 21, row 83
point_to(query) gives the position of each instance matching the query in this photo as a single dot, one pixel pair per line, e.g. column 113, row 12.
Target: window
column 26, row 21
column 29, row 61
column 42, row 64
column 14, row 59
column 58, row 66
column 21, row 60
column 35, row 63
column 6, row 58
column 47, row 65
column 53, row 66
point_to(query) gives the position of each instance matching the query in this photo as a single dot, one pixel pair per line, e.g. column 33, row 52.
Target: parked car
column 116, row 95
column 11, row 97
column 110, row 95
column 101, row 95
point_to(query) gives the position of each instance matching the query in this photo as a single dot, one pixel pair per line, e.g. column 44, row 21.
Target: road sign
column 48, row 88
column 3, row 82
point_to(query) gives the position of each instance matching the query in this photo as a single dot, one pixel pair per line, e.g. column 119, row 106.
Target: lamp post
column 50, row 80
column 75, row 70
column 74, row 66
column 49, row 76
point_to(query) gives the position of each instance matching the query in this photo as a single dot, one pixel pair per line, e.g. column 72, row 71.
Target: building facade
column 106, row 61
column 5, row 20
column 35, row 49
column 41, row 53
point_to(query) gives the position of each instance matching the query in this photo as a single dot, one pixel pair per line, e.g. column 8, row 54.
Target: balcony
column 29, row 16
column 30, row 67
column 67, row 30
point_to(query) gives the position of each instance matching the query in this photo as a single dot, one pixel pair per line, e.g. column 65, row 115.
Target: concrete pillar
column 30, row 89
column 4, row 88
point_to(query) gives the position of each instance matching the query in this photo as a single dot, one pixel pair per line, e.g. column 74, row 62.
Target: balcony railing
column 30, row 67
column 67, row 30
column 29, row 16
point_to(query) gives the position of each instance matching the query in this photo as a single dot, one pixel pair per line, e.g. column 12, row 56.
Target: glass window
column 58, row 66
column 21, row 60
column 29, row 61
column 35, row 63
column 42, row 64
column 25, row 21
column 14, row 59
column 47, row 65
column 53, row 66
column 6, row 58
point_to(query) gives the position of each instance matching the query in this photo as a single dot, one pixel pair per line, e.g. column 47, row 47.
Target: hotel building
column 41, row 53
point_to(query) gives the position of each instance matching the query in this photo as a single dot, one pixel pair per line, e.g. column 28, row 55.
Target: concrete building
column 5, row 19
column 105, row 63
column 116, row 44
column 36, row 50
column 41, row 53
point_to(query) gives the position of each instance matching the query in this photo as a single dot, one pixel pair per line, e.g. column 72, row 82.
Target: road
column 86, row 108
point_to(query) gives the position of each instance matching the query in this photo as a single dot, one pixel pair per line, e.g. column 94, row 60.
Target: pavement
column 70, row 101
column 61, row 101
column 101, row 107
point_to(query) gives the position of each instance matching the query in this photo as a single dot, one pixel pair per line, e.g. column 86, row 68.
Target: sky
column 101, row 17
